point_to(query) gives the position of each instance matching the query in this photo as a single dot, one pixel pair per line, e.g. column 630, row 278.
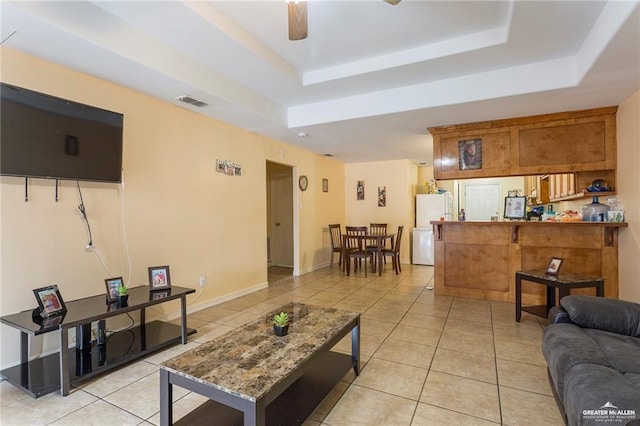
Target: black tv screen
column 47, row 137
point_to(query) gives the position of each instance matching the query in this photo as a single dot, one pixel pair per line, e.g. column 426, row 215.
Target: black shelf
column 41, row 376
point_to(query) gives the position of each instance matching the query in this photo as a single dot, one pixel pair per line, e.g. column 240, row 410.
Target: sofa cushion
column 592, row 391
column 617, row 316
column 622, row 352
column 566, row 345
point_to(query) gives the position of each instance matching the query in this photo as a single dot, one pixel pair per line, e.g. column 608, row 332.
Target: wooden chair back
column 356, row 230
column 336, row 236
column 378, row 228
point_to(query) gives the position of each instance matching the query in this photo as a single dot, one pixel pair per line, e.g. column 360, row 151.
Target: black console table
column 71, row 366
column 564, row 282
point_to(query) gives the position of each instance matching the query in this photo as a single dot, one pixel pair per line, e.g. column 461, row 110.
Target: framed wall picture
column 470, row 154
column 112, row 285
column 515, row 207
column 325, row 185
column 360, row 190
column 229, row 168
column 553, row 268
column 159, row 278
column 49, row 301
column 382, row 196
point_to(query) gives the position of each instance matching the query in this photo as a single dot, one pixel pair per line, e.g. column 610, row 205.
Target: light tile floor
column 427, row 360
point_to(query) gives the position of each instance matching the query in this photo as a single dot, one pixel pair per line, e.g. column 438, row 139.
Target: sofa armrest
column 613, row 315
column 558, row 315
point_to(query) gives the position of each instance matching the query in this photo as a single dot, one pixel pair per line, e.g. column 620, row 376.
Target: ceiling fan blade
column 392, row 2
column 297, row 20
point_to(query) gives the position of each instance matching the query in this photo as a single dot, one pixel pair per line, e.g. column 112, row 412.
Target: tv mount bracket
column 26, row 190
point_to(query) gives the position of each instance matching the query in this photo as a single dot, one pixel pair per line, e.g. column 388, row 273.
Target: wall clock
column 303, row 183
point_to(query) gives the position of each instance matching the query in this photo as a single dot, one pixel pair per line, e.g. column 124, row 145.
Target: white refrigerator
column 429, row 207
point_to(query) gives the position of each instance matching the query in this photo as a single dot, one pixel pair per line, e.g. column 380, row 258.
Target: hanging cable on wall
column 90, row 246
column 83, row 211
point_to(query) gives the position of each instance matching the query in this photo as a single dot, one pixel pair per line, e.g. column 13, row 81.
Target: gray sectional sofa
column 592, row 349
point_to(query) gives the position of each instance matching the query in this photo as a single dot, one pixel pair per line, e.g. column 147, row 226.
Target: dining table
column 378, row 240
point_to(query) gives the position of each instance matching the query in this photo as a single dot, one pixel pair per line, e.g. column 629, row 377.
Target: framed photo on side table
column 112, row 285
column 553, row 268
column 49, row 301
column 159, row 278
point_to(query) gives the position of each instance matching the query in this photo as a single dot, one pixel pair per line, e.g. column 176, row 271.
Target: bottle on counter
column 594, row 212
column 461, row 215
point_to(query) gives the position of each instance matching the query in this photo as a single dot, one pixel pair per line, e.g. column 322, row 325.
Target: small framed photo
column 49, row 301
column 159, row 278
column 112, row 285
column 515, row 207
column 325, row 185
column 220, row 166
column 553, row 268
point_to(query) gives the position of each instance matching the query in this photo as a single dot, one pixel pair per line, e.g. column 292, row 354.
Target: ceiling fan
column 297, row 9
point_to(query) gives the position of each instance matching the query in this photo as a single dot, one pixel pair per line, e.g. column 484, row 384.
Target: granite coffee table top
column 250, row 360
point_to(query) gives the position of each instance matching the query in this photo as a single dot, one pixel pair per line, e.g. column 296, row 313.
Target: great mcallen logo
column 609, row 413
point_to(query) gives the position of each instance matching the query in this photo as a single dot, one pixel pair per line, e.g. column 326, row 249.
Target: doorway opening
column 280, row 222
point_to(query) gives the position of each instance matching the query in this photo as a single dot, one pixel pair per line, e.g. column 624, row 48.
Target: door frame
column 295, row 174
column 296, row 222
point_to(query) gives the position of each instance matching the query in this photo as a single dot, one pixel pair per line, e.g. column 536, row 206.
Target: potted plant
column 281, row 324
column 123, row 295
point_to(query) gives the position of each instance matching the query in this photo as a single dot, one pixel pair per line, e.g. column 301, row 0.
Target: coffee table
column 249, row 367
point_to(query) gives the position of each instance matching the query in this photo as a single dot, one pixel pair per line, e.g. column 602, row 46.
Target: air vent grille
column 191, row 101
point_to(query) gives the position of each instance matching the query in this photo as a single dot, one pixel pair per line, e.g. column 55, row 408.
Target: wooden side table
column 564, row 282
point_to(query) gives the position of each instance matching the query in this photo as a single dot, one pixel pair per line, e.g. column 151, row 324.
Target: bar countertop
column 529, row 223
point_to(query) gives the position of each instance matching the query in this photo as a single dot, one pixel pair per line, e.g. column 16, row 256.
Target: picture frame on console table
column 553, row 268
column 159, row 278
column 112, row 285
column 50, row 301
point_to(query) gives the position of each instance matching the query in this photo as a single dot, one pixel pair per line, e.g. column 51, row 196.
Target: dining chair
column 354, row 248
column 336, row 243
column 376, row 229
column 354, row 231
column 394, row 252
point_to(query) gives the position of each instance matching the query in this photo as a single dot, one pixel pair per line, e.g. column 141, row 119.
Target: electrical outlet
column 203, row 281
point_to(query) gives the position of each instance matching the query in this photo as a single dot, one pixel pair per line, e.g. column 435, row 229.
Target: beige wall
column 628, row 181
column 177, row 210
column 399, row 177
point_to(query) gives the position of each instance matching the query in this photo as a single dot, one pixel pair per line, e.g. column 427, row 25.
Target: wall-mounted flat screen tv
column 43, row 136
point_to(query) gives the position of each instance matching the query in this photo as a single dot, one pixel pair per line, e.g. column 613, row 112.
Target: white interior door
column 281, row 218
column 481, row 201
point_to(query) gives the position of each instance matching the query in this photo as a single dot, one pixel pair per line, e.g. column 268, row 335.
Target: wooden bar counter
column 480, row 259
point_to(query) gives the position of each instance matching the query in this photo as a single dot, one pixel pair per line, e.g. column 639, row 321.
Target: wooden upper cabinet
column 567, row 142
column 493, row 147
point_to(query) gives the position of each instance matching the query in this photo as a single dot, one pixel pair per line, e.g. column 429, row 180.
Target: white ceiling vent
column 191, row 101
